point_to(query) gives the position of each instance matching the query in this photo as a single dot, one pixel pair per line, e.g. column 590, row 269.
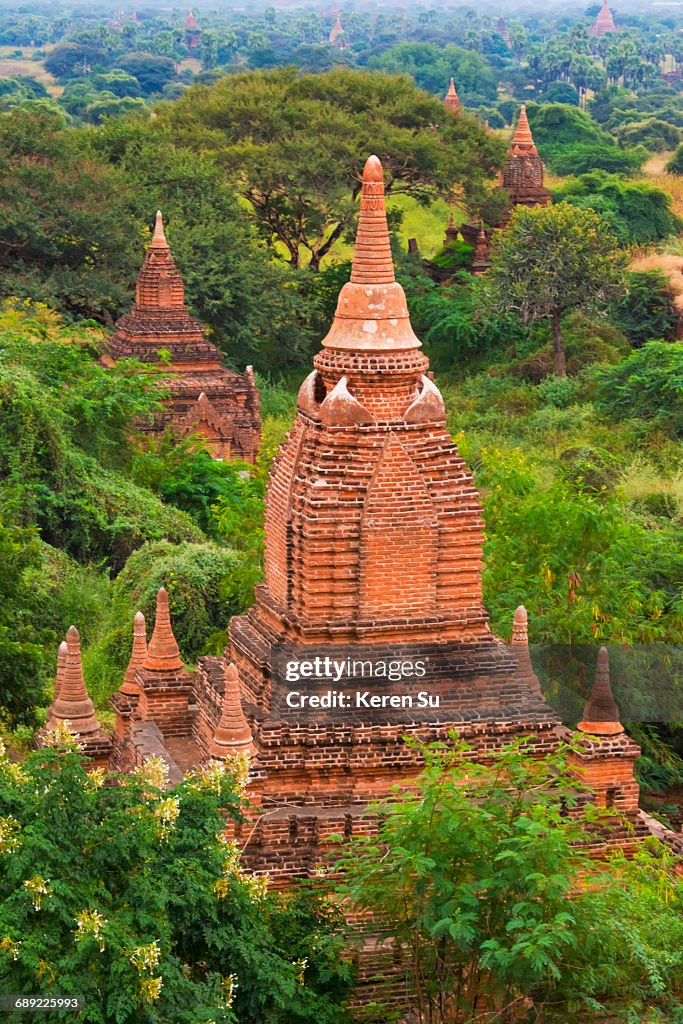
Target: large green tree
column 295, row 146
column 554, row 260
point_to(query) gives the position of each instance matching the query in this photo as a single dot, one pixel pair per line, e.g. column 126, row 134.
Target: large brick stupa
column 374, row 538
column 373, row 559
column 206, row 398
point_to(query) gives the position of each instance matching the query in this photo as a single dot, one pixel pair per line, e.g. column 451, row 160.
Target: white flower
column 38, row 887
column 90, row 924
column 61, row 735
column 145, row 958
column 9, row 840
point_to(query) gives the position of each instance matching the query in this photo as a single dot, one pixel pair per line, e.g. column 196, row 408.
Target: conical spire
column 73, row 703
column 159, row 286
column 159, row 238
column 601, row 714
column 372, row 313
column 372, row 260
column 523, row 139
column 520, row 647
column 59, row 678
column 163, row 654
column 452, row 100
column 130, row 687
column 233, row 735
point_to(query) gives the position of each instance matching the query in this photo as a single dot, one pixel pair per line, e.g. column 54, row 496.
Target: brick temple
column 522, row 178
column 206, row 398
column 374, row 534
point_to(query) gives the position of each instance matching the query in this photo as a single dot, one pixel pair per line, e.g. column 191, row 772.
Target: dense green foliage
column 635, row 212
column 571, row 142
column 129, row 896
column 478, row 878
column 553, row 260
column 296, row 144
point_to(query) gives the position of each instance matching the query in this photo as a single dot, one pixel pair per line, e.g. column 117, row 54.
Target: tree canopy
column 295, row 146
column 551, row 260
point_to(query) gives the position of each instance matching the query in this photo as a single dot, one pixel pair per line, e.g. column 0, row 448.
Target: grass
column 25, row 65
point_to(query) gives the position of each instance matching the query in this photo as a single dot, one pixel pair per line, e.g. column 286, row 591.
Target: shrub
column 636, row 212
column 129, row 896
column 647, row 385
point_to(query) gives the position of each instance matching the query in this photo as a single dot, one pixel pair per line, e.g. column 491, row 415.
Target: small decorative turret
column 452, row 100
column 232, row 735
column 520, row 646
column 163, row 653
column 73, row 704
column 601, row 714
column 130, row 686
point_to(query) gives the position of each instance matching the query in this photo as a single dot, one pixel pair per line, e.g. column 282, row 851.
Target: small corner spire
column 520, row 647
column 601, row 714
column 73, row 704
column 163, row 653
column 232, row 735
column 138, row 654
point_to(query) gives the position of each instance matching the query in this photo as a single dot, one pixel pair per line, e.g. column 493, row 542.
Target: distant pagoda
column 503, row 31
column 192, row 31
column 206, row 398
column 604, row 22
column 337, row 34
column 452, row 100
column 522, row 178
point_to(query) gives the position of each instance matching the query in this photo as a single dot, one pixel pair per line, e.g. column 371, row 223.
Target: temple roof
column 451, row 100
column 372, row 314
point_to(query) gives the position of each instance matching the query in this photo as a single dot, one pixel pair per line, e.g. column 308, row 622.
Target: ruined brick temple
column 206, row 398
column 374, row 538
column 522, row 179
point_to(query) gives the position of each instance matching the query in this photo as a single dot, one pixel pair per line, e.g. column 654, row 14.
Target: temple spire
column 452, row 100
column 233, row 735
column 73, row 704
column 523, row 139
column 163, row 654
column 372, row 314
column 130, row 686
column 372, row 261
column 159, row 238
column 601, row 714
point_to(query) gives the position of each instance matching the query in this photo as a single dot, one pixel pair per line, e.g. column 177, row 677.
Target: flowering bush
column 129, row 896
